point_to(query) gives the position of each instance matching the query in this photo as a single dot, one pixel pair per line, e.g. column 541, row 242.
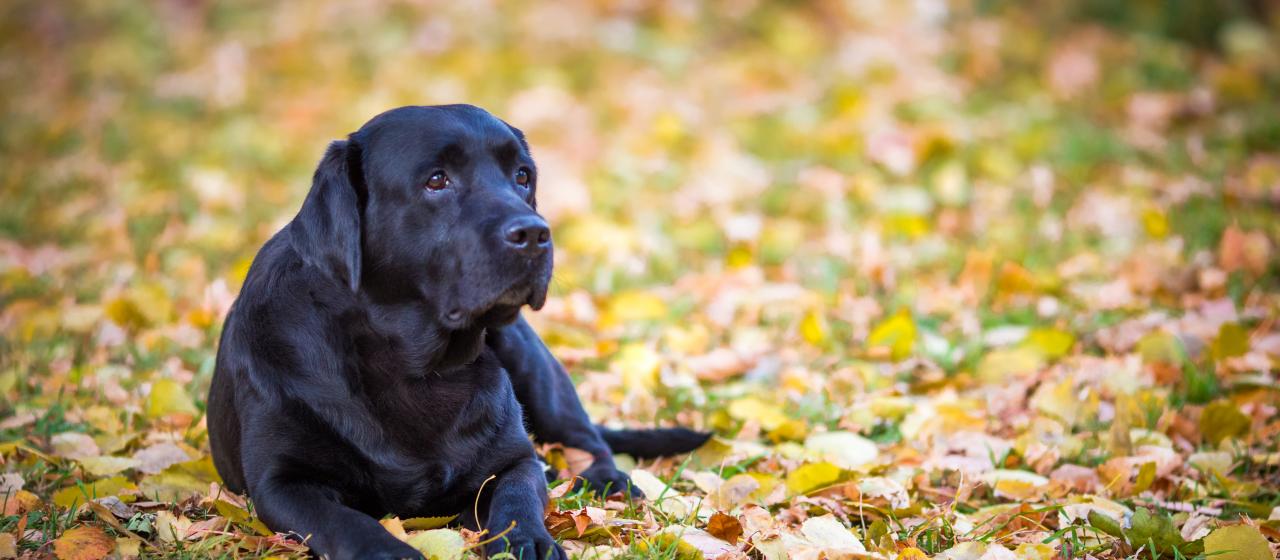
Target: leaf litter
column 946, row 282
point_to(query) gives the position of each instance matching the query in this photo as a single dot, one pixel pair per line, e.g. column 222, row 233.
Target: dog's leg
column 551, row 404
column 331, row 529
column 517, row 505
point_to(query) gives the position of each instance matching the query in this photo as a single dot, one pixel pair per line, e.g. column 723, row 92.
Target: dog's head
column 434, row 204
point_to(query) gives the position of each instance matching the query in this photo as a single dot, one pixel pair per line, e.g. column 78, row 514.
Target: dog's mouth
column 501, row 310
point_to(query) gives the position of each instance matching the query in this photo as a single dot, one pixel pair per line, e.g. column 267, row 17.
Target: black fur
column 375, row 361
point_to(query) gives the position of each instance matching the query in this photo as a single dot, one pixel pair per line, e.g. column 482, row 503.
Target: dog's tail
column 653, row 442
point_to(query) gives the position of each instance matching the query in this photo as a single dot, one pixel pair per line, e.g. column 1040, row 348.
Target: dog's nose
column 527, row 234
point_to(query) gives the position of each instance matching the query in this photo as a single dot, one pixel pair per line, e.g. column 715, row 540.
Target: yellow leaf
column 1016, row 485
column 13, row 502
column 767, row 484
column 83, row 543
column 73, row 495
column 169, row 397
column 171, row 528
column 1059, row 400
column 1146, row 477
column 107, row 465
column 769, row 415
column 668, row 545
column 1034, row 551
column 152, row 300
column 667, row 128
column 639, row 367
column 1050, row 343
column 8, row 546
column 898, row 333
column 739, row 256
column 1222, row 419
column 909, row 226
column 812, row 477
column 998, row 365
column 1237, row 542
column 181, row 480
column 790, row 430
column 1160, row 347
column 912, row 553
column 1155, row 223
column 634, row 306
column 439, row 544
column 427, row 523
column 238, row 514
column 813, row 327
column 395, row 527
column 1232, row 341
column 123, row 312
column 128, row 547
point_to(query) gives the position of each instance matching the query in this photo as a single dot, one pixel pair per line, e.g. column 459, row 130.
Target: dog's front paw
column 532, row 544
column 606, row 479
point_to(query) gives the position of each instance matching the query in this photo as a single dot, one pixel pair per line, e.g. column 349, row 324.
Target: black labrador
column 376, row 362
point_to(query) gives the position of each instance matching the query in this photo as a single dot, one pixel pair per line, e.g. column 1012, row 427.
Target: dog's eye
column 522, row 177
column 438, row 181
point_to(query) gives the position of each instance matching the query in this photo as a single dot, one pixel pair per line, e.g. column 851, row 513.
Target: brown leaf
column 724, row 527
column 1241, row 250
column 83, row 543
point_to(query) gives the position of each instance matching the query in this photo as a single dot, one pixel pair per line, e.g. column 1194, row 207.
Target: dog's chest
column 454, row 425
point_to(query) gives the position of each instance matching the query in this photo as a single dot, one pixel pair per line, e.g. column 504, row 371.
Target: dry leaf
column 83, row 543
column 724, row 527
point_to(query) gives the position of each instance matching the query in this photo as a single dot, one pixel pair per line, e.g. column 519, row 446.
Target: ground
column 950, row 280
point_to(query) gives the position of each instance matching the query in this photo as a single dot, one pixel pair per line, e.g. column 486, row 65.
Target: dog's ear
column 327, row 231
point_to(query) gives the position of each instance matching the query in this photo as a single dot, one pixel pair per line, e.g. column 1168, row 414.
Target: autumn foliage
column 963, row 280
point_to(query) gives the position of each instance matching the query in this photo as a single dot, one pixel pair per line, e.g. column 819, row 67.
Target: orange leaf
column 724, row 527
column 83, row 543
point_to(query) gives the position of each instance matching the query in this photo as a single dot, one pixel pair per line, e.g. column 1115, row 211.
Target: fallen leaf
column 167, row 398
column 1237, row 542
column 8, row 546
column 83, row 543
column 427, row 523
column 74, row 445
column 1222, row 419
column 638, row 365
column 829, row 535
column 708, row 546
column 128, row 547
column 769, row 415
column 11, row 483
column 158, row 457
column 439, row 544
column 724, row 527
column 1017, row 485
column 846, row 450
column 999, row 365
column 171, row 528
column 897, row 333
column 737, row 490
column 395, row 527
column 107, row 465
column 71, row 495
column 812, row 476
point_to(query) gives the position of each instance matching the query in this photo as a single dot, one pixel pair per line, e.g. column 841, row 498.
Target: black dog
column 376, row 362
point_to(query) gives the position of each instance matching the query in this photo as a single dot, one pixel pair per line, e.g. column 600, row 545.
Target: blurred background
column 791, row 205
